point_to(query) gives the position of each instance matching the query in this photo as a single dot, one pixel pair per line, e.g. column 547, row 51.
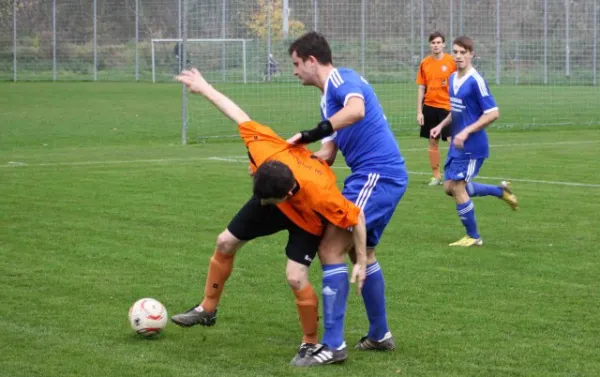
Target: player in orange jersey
column 433, row 100
column 293, row 190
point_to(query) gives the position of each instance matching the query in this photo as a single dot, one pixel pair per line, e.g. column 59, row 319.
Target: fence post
column 595, row 45
column 179, row 36
column 497, row 42
column 545, row 41
column 422, row 29
column 285, row 15
column 223, row 36
column 95, row 47
column 567, row 38
column 15, row 40
column 412, row 33
column 316, row 15
column 451, row 23
column 362, row 37
column 53, row 40
column 183, row 31
column 268, row 70
column 460, row 17
column 137, row 41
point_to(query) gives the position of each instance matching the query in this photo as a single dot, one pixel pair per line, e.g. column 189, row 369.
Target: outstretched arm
column 197, row 84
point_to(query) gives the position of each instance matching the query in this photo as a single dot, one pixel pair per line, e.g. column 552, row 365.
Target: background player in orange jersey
column 433, row 100
column 293, row 190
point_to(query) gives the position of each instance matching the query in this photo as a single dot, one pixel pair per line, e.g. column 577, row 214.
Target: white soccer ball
column 147, row 317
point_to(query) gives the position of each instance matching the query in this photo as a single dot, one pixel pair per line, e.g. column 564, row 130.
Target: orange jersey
column 318, row 197
column 433, row 75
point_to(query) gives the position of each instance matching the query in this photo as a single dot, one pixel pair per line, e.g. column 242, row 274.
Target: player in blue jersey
column 473, row 109
column 353, row 122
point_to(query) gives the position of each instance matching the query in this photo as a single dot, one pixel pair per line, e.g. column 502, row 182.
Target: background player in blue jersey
column 473, row 109
column 353, row 121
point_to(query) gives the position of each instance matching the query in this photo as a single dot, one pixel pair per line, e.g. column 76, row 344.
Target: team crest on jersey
column 444, row 68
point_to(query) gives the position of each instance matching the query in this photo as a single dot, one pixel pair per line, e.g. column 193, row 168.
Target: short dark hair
column 464, row 42
column 312, row 44
column 436, row 34
column 273, row 179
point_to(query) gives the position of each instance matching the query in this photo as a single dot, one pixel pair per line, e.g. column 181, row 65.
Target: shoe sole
column 182, row 324
column 506, row 187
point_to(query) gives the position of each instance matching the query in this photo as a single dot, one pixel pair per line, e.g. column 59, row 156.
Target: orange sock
column 307, row 303
column 219, row 270
column 434, row 160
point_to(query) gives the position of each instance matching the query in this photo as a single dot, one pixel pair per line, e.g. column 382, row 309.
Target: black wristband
column 323, row 129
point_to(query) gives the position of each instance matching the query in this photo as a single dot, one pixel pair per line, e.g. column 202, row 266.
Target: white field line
column 243, row 159
column 558, row 183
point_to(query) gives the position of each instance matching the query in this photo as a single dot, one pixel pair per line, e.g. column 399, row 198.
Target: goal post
column 161, row 56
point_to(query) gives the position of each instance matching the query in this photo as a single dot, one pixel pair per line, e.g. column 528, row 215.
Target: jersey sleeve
column 262, row 142
column 484, row 96
column 421, row 75
column 345, row 88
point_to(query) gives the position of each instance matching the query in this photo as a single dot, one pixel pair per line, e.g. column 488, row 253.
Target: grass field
column 100, row 205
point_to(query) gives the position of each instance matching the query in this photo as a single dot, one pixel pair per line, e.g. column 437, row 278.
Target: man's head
column 437, row 42
column 274, row 182
column 307, row 53
column 462, row 51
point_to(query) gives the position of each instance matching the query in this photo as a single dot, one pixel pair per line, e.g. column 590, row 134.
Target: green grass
column 100, row 205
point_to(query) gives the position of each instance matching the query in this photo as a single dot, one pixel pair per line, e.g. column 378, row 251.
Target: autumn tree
column 258, row 20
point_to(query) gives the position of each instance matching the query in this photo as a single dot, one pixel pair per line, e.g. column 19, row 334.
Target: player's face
column 437, row 46
column 461, row 56
column 306, row 71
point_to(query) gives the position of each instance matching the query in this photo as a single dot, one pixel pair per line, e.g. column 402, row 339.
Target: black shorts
column 254, row 220
column 433, row 116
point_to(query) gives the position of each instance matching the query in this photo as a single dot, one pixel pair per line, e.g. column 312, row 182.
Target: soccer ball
column 147, row 317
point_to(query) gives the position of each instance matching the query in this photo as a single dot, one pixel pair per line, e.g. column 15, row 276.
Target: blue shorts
column 377, row 195
column 462, row 169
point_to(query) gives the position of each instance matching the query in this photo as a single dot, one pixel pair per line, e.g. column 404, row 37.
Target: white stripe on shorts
column 471, row 170
column 367, row 189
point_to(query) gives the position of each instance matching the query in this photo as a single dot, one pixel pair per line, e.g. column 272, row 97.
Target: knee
column 330, row 253
column 296, row 278
column 226, row 243
column 448, row 189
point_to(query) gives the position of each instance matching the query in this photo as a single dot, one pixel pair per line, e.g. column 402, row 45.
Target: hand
column 420, row 119
column 359, row 271
column 193, row 80
column 435, row 132
column 295, row 139
column 250, row 170
column 459, row 139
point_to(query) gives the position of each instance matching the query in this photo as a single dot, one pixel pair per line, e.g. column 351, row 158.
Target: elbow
column 360, row 113
column 494, row 115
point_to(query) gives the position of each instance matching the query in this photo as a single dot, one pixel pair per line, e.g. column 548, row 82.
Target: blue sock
column 335, row 298
column 479, row 189
column 373, row 293
column 466, row 213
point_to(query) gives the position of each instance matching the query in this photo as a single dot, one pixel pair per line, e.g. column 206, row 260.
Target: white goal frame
column 242, row 41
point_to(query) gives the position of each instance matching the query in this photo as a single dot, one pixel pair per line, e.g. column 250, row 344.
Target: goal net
column 220, row 58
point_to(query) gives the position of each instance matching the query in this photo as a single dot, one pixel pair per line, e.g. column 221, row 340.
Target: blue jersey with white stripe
column 368, row 144
column 470, row 98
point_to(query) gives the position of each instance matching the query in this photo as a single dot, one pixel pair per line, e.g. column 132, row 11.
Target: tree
column 258, row 20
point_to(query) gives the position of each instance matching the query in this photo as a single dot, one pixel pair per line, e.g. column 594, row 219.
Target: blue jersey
column 368, row 144
column 470, row 98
